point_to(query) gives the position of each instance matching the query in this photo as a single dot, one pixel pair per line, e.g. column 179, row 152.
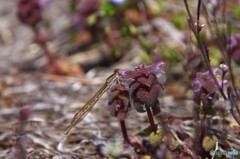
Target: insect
column 83, row 111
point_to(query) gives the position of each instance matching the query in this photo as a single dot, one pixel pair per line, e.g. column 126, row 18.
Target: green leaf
column 171, row 54
column 156, row 9
column 117, row 52
column 179, row 21
column 215, row 56
column 133, row 30
column 156, row 138
column 107, row 9
column 236, row 11
column 145, row 44
column 125, row 33
column 209, row 142
column 91, row 20
column 203, row 35
column 145, row 57
column 146, row 157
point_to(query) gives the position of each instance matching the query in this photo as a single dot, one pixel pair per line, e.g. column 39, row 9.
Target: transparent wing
column 83, row 111
column 79, row 116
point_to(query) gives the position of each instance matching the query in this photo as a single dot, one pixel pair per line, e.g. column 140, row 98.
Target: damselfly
column 83, row 111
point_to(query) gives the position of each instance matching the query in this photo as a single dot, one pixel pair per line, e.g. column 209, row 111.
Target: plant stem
column 198, row 14
column 151, row 121
column 233, row 104
column 47, row 53
column 203, row 48
column 124, row 131
column 198, row 10
column 202, row 133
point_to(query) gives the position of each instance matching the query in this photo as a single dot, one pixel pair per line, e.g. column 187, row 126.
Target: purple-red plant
column 205, row 81
column 234, row 48
column 145, row 89
column 19, row 151
column 29, row 12
column 211, row 93
column 119, row 105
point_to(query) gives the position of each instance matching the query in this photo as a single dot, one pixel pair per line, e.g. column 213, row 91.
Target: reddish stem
column 124, row 131
column 47, row 53
column 151, row 121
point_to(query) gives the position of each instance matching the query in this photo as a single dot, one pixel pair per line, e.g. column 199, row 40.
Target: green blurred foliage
column 157, row 9
column 236, row 11
column 117, row 52
column 179, row 20
column 171, row 54
column 147, row 46
column 133, row 30
column 203, row 35
column 107, row 9
column 215, row 56
column 146, row 157
column 144, row 56
column 72, row 38
column 125, row 33
column 91, row 20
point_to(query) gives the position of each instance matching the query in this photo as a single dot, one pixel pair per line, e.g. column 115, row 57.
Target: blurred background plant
column 30, row 13
column 23, row 141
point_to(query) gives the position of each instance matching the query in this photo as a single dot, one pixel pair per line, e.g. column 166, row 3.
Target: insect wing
column 83, row 111
column 79, row 116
